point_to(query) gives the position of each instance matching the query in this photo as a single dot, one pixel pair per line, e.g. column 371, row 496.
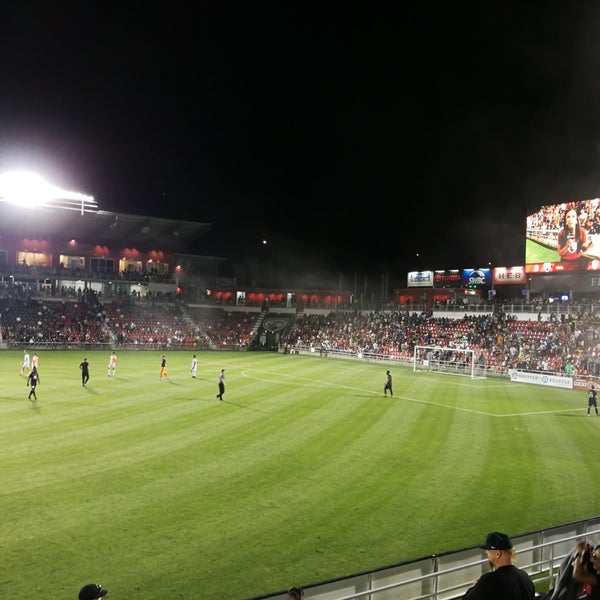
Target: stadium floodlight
column 31, row 190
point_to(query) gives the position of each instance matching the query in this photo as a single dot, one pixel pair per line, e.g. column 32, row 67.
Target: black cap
column 92, row 591
column 497, row 541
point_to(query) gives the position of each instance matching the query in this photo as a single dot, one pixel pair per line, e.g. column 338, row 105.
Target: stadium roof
column 101, row 227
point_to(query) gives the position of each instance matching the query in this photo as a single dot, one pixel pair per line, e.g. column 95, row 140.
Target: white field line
column 306, row 381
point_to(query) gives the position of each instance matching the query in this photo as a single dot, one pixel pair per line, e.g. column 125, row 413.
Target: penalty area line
column 305, row 381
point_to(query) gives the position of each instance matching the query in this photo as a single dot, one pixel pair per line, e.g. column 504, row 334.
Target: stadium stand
column 224, row 329
column 151, row 325
column 501, row 342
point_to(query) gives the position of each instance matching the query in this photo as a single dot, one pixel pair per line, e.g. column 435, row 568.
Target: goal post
column 438, row 359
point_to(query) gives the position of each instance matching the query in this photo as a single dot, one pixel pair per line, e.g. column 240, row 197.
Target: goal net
column 454, row 361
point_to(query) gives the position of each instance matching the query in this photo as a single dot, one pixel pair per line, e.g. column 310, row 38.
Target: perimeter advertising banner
column 509, row 275
column 540, row 379
column 445, row 279
column 420, row 279
column 474, row 277
column 581, row 382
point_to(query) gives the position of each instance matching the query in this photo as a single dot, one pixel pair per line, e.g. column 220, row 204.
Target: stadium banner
column 508, row 275
column 581, row 382
column 420, row 279
column 540, row 379
column 473, row 277
column 445, row 279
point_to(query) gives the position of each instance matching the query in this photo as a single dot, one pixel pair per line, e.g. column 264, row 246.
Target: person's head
column 387, row 372
column 222, row 370
column 596, row 559
column 92, row 591
column 498, row 548
column 571, row 219
column 294, row 593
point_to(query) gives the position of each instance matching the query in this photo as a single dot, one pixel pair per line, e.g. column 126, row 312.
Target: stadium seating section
column 501, row 342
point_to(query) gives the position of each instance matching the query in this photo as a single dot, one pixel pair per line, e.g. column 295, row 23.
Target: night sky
column 353, row 140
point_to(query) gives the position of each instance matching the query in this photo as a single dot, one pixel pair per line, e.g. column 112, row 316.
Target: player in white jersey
column 25, row 364
column 112, row 364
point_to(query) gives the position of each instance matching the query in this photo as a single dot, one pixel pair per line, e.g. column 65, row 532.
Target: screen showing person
column 573, row 240
column 562, row 236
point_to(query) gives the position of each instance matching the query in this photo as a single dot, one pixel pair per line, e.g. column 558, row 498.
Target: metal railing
column 448, row 576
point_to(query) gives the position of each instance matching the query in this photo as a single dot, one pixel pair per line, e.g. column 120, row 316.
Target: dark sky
column 351, row 138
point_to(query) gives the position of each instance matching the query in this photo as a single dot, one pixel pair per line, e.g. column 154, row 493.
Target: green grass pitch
column 536, row 253
column 305, row 472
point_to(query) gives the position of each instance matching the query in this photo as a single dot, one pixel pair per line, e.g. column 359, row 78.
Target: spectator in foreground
column 294, row 593
column 587, row 574
column 92, row 591
column 505, row 581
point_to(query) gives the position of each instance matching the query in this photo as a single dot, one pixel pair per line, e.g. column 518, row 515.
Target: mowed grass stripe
column 305, row 472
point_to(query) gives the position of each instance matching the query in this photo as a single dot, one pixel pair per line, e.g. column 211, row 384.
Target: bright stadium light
column 30, row 190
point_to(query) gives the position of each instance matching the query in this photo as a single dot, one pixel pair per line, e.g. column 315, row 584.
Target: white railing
column 448, row 576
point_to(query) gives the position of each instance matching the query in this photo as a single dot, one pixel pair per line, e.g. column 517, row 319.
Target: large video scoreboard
column 564, row 237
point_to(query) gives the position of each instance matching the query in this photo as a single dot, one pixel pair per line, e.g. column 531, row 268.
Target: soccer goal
column 454, row 361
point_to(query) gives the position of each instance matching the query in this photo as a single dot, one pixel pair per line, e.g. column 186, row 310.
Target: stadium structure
column 56, row 255
column 60, row 250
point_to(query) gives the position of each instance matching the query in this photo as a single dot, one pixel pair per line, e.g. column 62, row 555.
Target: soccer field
column 305, row 472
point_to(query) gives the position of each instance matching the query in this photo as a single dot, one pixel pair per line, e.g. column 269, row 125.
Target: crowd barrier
column 447, row 576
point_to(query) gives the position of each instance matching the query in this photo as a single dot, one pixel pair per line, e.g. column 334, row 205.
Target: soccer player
column 163, row 368
column 388, row 385
column 592, row 400
column 112, row 364
column 32, row 380
column 221, row 385
column 84, row 365
column 194, row 366
column 25, row 363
